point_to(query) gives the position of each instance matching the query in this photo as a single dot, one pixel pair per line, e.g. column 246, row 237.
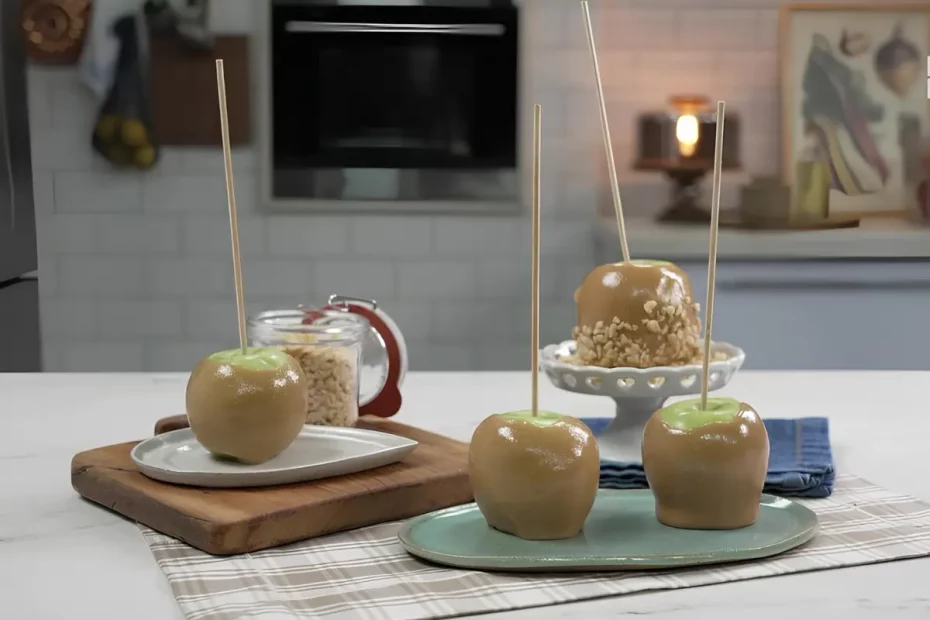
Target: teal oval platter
column 621, row 533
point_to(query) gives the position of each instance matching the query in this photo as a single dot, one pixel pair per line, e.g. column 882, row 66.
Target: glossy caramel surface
column 534, row 479
column 245, row 413
column 644, row 310
column 708, row 477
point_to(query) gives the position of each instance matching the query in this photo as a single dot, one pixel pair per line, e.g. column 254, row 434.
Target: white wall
column 134, row 267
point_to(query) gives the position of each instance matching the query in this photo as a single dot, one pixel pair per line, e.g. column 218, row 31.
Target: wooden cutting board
column 231, row 521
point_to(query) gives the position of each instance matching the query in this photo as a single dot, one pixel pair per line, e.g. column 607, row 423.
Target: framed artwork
column 855, row 106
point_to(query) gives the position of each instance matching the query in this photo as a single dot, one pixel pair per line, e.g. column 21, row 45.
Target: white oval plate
column 318, row 452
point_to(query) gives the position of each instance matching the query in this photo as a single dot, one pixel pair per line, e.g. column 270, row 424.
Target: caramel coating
column 638, row 314
column 245, row 414
column 708, row 478
column 537, row 482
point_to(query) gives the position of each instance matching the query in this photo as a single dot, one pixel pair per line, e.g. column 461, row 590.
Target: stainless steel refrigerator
column 20, row 345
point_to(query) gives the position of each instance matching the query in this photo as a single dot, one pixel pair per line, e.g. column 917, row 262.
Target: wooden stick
column 611, row 166
column 534, row 317
column 231, row 198
column 712, row 258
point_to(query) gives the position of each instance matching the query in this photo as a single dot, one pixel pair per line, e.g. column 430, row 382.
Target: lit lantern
column 680, row 143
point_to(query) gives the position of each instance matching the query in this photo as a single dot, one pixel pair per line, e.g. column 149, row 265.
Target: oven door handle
column 474, row 30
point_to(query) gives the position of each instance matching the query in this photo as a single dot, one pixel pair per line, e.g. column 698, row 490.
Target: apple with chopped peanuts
column 637, row 314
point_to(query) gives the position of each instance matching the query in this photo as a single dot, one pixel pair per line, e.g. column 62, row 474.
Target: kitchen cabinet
column 822, row 314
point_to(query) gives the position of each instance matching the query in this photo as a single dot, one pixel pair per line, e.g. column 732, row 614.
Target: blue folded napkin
column 800, row 459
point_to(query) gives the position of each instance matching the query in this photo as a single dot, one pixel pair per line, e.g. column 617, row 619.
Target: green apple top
column 687, row 415
column 254, row 358
column 542, row 418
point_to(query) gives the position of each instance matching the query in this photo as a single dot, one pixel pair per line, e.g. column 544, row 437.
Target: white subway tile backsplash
column 436, row 279
column 546, row 27
column 203, row 195
column 138, row 234
column 556, row 321
column 503, row 357
column 116, row 277
column 52, row 353
column 292, row 278
column 39, row 98
column 439, row 357
column 212, row 320
column 413, row 318
column 181, row 355
column 48, row 275
column 561, row 68
column 664, row 74
column 554, row 126
column 752, row 70
column 103, row 357
column 209, row 161
column 581, row 125
column 145, row 319
column 455, row 322
column 568, row 239
column 389, row 236
column 68, row 318
column 69, row 233
column 54, row 149
column 637, row 29
column 620, row 70
column 482, row 236
column 500, row 321
column 74, row 105
column 43, row 192
column 499, row 279
column 717, row 29
column 209, row 235
column 308, row 235
column 189, row 277
column 369, row 279
column 766, row 29
column 95, row 192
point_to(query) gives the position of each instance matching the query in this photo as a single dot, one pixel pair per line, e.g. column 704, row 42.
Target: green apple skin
column 254, row 358
column 706, row 467
column 687, row 415
column 534, row 477
column 248, row 407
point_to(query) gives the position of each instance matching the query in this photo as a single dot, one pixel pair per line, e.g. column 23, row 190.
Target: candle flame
column 687, row 131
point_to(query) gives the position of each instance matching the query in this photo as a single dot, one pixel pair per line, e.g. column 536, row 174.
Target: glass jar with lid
column 327, row 344
column 352, row 353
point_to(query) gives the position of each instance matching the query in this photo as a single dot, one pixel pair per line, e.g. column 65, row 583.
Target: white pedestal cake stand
column 638, row 392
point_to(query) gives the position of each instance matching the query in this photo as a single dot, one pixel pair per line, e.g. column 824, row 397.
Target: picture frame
column 854, row 104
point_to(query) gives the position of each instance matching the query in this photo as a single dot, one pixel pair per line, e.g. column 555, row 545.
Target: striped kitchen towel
column 800, row 459
column 367, row 574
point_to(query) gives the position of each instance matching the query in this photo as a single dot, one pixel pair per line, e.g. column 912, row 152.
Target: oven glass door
column 394, row 88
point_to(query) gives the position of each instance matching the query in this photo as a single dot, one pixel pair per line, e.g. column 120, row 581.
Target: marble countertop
column 874, row 238
column 62, row 557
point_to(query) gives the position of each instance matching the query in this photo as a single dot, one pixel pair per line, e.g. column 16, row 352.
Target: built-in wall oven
column 403, row 104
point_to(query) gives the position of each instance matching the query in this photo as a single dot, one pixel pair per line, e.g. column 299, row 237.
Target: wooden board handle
column 171, row 423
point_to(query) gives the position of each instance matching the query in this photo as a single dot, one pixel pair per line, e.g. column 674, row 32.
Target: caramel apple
column 707, row 467
column 247, row 406
column 534, row 477
column 637, row 314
